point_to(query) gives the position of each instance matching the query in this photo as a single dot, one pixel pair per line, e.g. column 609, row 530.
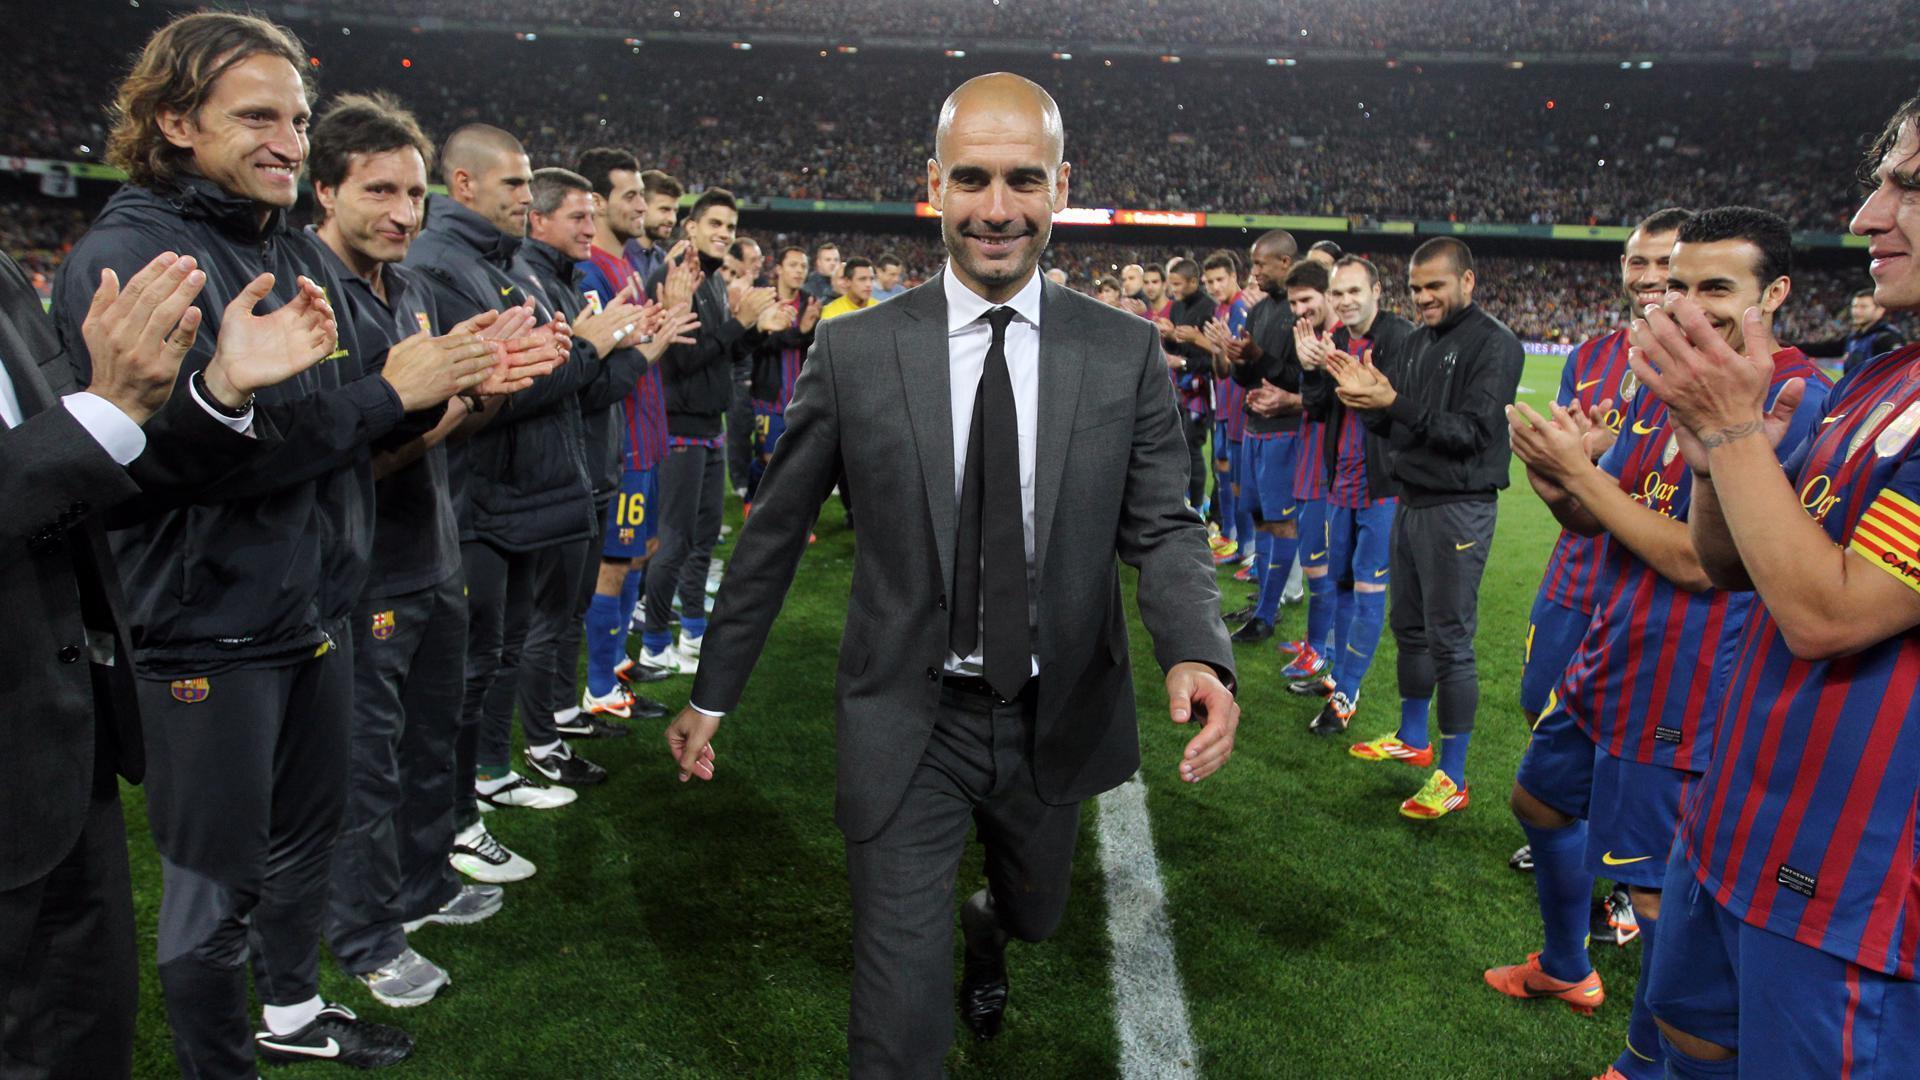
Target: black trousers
column 740, row 429
column 1438, row 556
column 390, row 863
column 518, row 602
column 246, row 783
column 692, row 499
column 976, row 772
column 1196, row 428
column 68, row 979
column 563, row 687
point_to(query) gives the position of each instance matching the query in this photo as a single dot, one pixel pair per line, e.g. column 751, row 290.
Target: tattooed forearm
column 1714, row 439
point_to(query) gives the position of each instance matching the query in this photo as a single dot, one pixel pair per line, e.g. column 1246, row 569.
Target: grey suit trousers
column 977, row 771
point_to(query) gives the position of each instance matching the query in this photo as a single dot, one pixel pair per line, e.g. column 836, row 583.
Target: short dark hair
column 1450, row 248
column 786, row 251
column 1307, row 274
column 1223, row 260
column 1764, row 229
column 361, row 124
column 886, row 259
column 1664, row 221
column 654, row 182
column 1373, row 272
column 1889, row 137
column 828, row 246
column 710, row 198
column 738, row 249
column 1106, row 281
column 600, row 163
column 1154, row 268
column 1329, row 247
column 551, row 185
column 1183, row 266
column 1866, row 293
column 854, row 262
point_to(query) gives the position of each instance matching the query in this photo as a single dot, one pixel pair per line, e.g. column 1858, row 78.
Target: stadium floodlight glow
column 846, row 50
column 1626, row 65
column 634, row 42
column 346, row 31
column 1281, row 61
column 1169, row 59
column 1646, row 65
column 1063, row 56
column 525, row 35
column 743, row 46
column 956, row 54
column 1516, row 65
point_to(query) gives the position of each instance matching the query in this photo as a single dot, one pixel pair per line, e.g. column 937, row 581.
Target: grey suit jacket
column 1110, row 480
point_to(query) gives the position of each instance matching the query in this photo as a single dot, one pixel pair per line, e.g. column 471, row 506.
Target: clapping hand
column 810, row 316
column 1312, row 348
column 1358, row 383
column 1716, row 393
column 138, row 336
column 675, row 326
column 254, row 352
column 1552, row 445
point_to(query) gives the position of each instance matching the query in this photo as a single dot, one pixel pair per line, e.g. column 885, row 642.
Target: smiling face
column 1354, row 298
column 1310, row 306
column 569, row 229
column 377, row 210
column 1890, row 218
column 1644, row 266
column 1220, row 283
column 250, row 135
column 997, row 180
column 662, row 213
column 1154, row 286
column 793, row 271
column 1723, row 277
column 624, row 210
column 1441, row 290
column 712, row 231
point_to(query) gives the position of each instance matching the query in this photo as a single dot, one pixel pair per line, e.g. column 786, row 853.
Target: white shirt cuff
column 114, row 430
column 705, row 712
column 242, row 424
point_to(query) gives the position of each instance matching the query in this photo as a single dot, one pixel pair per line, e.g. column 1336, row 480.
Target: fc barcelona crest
column 190, row 691
column 426, row 324
column 593, row 300
column 382, row 625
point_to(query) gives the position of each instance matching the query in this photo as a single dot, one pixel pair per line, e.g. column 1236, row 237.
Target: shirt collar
column 964, row 306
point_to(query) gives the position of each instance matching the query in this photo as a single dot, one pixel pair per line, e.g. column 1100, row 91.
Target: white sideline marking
column 1149, row 1006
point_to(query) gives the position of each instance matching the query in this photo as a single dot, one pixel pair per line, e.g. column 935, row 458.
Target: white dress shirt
column 968, row 337
column 114, row 430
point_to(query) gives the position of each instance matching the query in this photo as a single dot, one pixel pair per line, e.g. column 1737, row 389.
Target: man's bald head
column 1278, row 244
column 486, row 171
column 1001, row 101
column 476, row 149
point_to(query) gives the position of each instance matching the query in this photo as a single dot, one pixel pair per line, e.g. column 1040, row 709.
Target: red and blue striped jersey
column 643, row 412
column 1642, row 684
column 1593, row 374
column 1349, row 487
column 1229, row 397
column 791, row 360
column 1804, row 822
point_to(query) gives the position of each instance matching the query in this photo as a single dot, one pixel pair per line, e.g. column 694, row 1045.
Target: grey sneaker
column 405, row 981
column 473, row 903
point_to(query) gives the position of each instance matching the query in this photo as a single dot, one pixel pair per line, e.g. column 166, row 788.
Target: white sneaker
column 405, row 981
column 716, row 573
column 615, row 702
column 670, row 659
column 520, row 791
column 690, row 646
column 479, row 856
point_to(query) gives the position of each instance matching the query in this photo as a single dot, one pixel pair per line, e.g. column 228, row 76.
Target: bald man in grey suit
column 1016, row 439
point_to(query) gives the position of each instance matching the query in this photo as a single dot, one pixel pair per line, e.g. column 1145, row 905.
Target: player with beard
column 1182, row 338
column 646, row 250
column 1220, row 276
column 887, row 272
column 1153, row 293
column 788, row 326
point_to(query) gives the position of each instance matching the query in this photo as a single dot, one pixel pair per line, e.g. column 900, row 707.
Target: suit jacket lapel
column 921, row 350
column 30, row 387
column 1062, row 362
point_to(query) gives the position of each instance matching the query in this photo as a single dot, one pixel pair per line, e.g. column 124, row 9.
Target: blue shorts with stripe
column 1314, row 541
column 1557, row 768
column 1357, row 541
column 1553, row 634
column 630, row 517
column 1631, row 819
column 769, row 424
column 1788, row 1008
column 1267, row 476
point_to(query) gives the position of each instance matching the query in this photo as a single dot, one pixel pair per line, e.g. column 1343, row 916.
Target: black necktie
column 990, row 567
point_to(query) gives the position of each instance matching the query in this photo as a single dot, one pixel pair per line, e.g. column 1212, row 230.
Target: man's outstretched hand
column 1194, row 691
column 690, row 740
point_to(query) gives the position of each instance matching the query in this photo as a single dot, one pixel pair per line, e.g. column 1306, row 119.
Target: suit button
column 942, row 602
column 78, row 509
column 933, row 674
column 69, row 654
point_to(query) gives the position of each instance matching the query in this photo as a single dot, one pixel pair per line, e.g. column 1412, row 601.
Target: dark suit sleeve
column 1478, row 415
column 1160, row 535
column 49, row 465
column 775, row 537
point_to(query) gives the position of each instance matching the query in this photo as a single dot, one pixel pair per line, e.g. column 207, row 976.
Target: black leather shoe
column 1255, row 630
column 1238, row 615
column 983, row 978
column 645, row 708
column 632, row 673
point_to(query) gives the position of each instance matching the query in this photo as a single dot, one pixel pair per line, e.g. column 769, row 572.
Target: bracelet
column 214, row 403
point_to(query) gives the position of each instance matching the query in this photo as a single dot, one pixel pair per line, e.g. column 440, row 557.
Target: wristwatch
column 214, row 403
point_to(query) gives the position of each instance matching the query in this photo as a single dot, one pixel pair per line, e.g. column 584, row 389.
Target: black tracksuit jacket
column 1447, row 426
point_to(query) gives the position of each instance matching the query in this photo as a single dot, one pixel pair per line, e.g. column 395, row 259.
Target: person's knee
column 1692, row 1046
column 1646, row 902
column 1531, row 811
column 1367, row 588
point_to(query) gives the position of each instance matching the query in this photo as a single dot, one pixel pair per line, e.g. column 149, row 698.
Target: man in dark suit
column 1025, row 436
column 69, row 459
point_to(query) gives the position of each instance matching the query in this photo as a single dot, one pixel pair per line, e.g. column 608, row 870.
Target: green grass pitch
column 686, row 930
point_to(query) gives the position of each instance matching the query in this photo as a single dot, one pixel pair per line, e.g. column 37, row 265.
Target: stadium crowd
column 1449, row 143
column 1483, row 26
column 361, row 534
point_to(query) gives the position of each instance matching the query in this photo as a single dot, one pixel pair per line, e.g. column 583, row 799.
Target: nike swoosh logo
column 1832, row 419
column 330, row 1050
column 1611, row 861
column 1640, row 428
column 1318, row 555
column 1383, row 573
column 506, row 290
column 1465, row 546
column 1588, row 385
